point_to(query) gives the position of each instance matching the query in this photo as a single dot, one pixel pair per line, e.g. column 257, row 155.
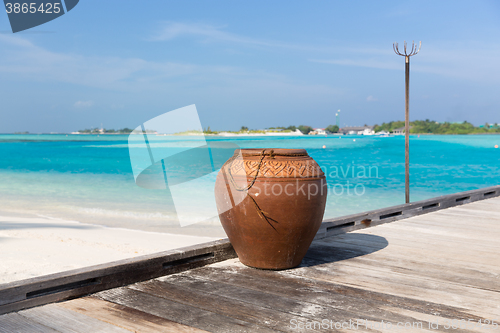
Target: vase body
column 271, row 204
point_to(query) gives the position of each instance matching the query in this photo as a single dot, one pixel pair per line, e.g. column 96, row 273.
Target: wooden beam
column 79, row 282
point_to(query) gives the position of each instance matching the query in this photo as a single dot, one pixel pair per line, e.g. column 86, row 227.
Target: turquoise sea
column 88, row 178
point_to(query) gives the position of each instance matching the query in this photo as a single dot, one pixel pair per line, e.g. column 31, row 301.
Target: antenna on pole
column 407, row 54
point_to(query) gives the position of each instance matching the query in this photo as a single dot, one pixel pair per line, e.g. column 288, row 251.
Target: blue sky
column 257, row 64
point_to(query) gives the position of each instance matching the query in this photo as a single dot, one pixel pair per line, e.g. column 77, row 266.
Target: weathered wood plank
column 484, row 303
column 358, row 243
column 437, row 226
column 417, row 238
column 437, row 323
column 64, row 320
column 178, row 312
column 319, row 254
column 15, row 323
column 125, row 317
column 432, row 253
column 478, row 210
column 459, row 227
column 304, row 287
column 484, row 206
column 338, row 308
column 430, row 240
column 267, row 310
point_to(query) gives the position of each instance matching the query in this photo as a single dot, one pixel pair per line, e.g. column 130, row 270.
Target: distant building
column 399, row 131
column 318, row 131
column 357, row 130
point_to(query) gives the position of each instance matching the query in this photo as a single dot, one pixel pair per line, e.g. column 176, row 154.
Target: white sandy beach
column 34, row 246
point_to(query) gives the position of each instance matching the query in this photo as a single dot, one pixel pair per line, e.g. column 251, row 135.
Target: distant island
column 433, row 127
column 290, row 130
column 104, row 131
column 394, row 127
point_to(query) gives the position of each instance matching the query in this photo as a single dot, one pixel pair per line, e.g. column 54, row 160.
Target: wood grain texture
column 179, row 312
column 67, row 321
column 15, row 323
column 432, row 267
column 125, row 317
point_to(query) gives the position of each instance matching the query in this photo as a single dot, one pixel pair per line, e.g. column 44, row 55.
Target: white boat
column 383, row 134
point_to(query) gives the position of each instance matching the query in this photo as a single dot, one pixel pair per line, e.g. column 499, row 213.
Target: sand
column 36, row 246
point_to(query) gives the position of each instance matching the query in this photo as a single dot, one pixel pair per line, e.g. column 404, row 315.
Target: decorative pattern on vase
column 276, row 169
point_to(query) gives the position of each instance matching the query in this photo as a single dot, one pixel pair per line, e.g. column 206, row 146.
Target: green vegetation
column 305, row 129
column 208, row 131
column 433, row 127
column 120, row 131
column 332, row 129
column 246, row 130
column 389, row 127
column 284, row 129
column 88, row 131
column 190, row 132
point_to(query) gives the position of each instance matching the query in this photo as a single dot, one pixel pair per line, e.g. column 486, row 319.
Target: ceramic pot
column 271, row 204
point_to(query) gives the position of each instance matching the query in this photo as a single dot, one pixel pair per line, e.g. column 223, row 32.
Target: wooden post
column 407, row 130
column 407, row 56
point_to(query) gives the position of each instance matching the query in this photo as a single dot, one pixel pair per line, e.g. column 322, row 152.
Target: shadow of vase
column 342, row 247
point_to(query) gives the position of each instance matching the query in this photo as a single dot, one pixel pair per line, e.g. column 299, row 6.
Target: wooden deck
column 431, row 268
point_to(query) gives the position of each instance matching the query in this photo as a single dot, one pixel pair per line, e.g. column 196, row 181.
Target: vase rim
column 273, row 151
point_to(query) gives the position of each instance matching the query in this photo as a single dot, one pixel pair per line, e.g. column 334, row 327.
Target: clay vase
column 271, row 204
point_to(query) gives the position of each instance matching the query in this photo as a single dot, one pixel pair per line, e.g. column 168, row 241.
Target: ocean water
column 88, row 178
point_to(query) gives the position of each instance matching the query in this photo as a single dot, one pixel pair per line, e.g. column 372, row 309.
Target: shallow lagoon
column 88, row 178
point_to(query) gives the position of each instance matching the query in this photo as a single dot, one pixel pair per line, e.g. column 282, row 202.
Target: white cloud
column 210, row 33
column 371, row 99
column 477, row 62
column 28, row 62
column 173, row 30
column 83, row 104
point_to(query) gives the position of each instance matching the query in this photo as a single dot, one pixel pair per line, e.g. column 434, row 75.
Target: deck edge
column 340, row 225
column 75, row 283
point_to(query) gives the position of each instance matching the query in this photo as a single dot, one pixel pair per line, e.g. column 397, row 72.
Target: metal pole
column 407, row 56
column 407, row 130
